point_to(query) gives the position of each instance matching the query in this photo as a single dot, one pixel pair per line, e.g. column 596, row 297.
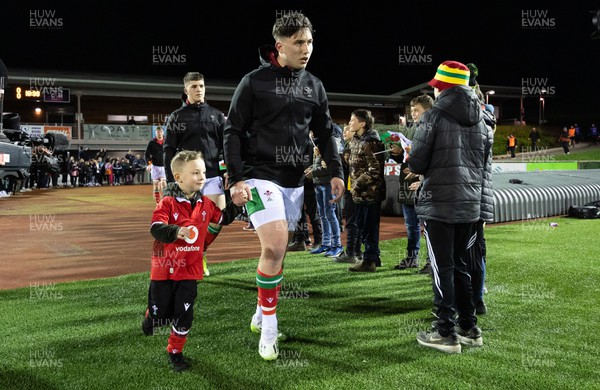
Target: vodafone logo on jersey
column 193, row 235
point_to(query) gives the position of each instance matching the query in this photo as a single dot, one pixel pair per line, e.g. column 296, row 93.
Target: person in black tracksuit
column 154, row 156
column 266, row 145
column 154, row 151
column 478, row 250
column 195, row 126
column 450, row 150
column 199, row 127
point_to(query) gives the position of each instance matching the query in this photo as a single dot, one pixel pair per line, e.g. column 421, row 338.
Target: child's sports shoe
column 448, row 344
column 321, row 249
column 470, row 337
column 334, row 252
column 178, row 362
column 205, row 266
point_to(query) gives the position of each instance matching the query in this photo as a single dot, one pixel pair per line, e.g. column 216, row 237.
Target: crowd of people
column 83, row 170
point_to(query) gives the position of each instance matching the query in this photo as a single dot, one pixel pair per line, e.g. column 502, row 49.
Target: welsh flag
column 222, row 165
column 393, row 137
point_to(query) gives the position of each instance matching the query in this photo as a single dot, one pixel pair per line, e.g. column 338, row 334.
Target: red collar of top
column 273, row 59
column 274, row 62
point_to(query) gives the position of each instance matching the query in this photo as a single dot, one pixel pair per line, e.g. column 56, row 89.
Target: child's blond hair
column 183, row 157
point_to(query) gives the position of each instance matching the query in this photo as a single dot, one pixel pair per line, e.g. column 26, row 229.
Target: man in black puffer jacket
column 450, row 150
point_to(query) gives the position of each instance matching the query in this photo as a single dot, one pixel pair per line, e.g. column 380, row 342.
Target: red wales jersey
column 182, row 259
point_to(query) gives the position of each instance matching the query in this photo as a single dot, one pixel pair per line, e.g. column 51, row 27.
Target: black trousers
column 447, row 245
column 339, row 213
column 476, row 263
column 353, row 235
column 368, row 217
column 309, row 208
column 171, row 302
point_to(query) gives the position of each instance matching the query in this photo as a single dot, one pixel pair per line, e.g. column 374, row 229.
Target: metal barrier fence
column 543, row 194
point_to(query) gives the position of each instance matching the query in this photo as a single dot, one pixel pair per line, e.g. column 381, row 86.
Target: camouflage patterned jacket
column 366, row 168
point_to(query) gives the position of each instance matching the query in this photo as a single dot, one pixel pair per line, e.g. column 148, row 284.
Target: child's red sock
column 176, row 341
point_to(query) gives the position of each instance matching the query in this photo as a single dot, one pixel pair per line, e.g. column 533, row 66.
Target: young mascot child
column 184, row 223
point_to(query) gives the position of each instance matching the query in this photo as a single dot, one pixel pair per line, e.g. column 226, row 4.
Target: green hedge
column 548, row 137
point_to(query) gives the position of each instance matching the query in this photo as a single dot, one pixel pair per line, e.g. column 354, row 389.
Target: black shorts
column 171, row 302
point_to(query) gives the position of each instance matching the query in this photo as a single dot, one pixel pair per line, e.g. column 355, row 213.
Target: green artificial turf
column 345, row 330
column 585, row 155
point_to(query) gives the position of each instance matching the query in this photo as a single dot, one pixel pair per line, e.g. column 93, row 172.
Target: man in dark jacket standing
column 199, row 127
column 266, row 148
column 450, row 151
column 534, row 136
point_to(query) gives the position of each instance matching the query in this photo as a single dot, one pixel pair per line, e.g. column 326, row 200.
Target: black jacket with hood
column 194, row 127
column 450, row 150
column 266, row 133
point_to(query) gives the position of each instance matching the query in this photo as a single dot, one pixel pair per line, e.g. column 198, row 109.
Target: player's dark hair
column 290, row 23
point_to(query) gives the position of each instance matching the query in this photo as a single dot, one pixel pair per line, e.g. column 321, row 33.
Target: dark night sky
column 356, row 47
